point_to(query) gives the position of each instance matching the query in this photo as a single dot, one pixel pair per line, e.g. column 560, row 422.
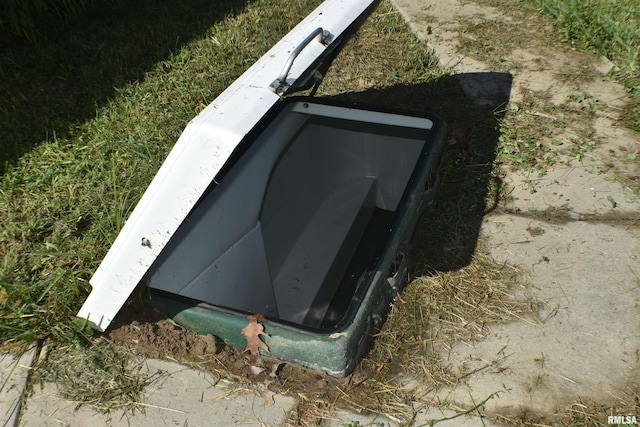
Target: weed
column 583, row 101
column 524, row 138
column 581, row 147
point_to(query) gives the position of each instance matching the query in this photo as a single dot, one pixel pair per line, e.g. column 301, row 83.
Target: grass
column 437, row 310
column 582, row 413
column 51, row 87
column 611, row 28
column 31, row 19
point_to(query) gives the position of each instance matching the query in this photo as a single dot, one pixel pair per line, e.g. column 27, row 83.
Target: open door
column 296, row 62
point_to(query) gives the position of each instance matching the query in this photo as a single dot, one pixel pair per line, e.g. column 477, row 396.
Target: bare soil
column 148, row 334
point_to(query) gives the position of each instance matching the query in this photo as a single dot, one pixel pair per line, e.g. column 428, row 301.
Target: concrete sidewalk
column 574, row 229
column 584, row 272
column 180, row 396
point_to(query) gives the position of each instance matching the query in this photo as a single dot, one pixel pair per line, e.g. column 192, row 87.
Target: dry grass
column 437, row 310
column 106, row 376
column 582, row 413
column 588, row 413
column 406, row 358
column 433, row 312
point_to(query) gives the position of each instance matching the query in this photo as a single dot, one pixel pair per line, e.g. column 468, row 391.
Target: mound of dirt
column 148, row 334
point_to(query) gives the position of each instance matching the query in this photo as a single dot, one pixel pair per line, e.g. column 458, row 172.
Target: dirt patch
column 148, row 334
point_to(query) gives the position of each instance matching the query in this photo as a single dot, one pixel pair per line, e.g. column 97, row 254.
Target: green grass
column 609, row 27
column 52, row 86
column 31, row 19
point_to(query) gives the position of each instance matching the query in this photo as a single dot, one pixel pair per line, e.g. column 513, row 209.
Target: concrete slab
column 584, row 342
column 14, row 373
column 578, row 192
column 447, row 417
column 347, row 418
column 180, row 397
column 437, row 23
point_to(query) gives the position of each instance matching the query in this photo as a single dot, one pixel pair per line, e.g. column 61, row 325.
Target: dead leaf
column 253, row 331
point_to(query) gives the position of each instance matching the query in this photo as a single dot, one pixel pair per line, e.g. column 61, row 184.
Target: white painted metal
column 196, row 159
column 358, row 115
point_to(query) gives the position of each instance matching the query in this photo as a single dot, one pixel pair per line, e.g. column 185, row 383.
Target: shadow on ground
column 50, row 86
column 472, row 104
